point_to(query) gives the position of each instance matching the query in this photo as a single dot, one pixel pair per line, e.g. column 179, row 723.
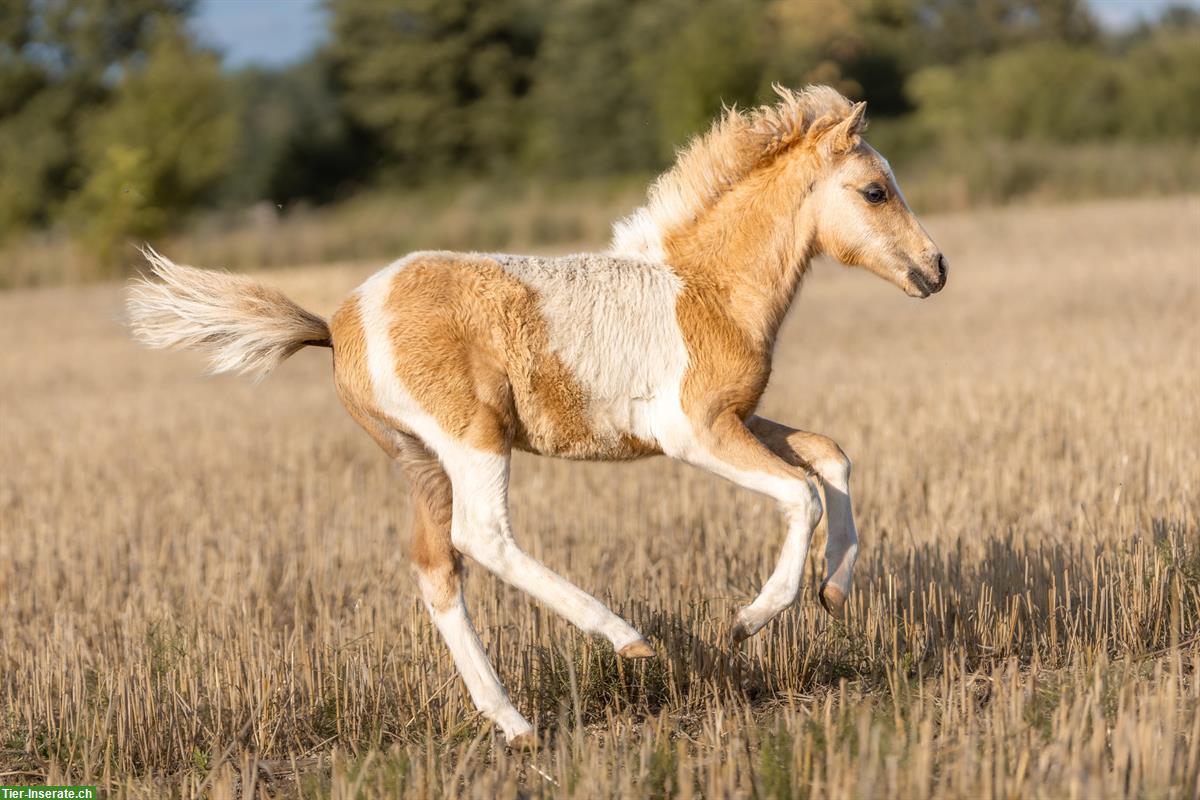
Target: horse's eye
column 874, row 194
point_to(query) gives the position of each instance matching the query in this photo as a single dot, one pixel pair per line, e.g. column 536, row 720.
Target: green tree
column 57, row 59
column 865, row 48
column 440, row 83
column 294, row 141
column 158, row 147
column 960, row 29
column 591, row 115
column 1160, row 82
column 1047, row 91
column 695, row 56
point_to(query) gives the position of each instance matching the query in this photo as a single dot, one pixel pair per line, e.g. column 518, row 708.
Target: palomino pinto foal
column 662, row 345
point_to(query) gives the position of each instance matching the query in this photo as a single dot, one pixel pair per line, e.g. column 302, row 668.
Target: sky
column 270, row 33
column 275, row 33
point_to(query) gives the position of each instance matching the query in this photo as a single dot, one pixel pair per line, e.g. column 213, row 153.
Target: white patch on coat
column 392, row 398
column 612, row 323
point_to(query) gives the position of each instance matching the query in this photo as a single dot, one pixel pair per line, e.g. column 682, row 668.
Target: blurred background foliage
column 492, row 123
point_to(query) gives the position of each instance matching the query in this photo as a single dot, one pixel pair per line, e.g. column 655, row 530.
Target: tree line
column 115, row 122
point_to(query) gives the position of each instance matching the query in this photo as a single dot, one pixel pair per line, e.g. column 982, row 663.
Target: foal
column 662, row 345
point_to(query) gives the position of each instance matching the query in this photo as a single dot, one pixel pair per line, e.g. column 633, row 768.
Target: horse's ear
column 845, row 136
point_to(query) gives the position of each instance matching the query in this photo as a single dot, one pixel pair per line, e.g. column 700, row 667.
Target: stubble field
column 204, row 585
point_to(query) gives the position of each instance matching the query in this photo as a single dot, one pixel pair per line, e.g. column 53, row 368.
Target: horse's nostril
column 941, row 268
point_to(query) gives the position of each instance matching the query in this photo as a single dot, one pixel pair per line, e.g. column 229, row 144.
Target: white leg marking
column 782, row 588
column 801, row 504
column 483, row 684
column 481, row 530
column 841, row 549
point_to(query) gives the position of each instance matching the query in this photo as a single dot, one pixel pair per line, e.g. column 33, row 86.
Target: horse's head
column 861, row 218
column 769, row 187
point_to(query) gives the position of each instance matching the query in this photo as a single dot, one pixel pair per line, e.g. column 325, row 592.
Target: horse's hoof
column 639, row 649
column 523, row 741
column 832, row 600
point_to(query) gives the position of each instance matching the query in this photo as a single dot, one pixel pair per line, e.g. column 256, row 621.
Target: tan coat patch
column 741, row 264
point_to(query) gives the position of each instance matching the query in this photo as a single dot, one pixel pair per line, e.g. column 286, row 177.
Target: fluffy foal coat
column 662, row 345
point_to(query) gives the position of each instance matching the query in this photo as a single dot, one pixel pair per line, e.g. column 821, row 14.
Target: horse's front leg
column 823, row 456
column 727, row 448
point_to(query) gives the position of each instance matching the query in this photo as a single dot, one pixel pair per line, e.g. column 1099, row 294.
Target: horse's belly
column 606, row 430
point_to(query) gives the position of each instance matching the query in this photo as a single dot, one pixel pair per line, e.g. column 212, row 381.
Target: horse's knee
column 468, row 542
column 831, row 463
column 440, row 587
column 804, row 502
column 435, row 561
column 465, row 536
column 431, row 547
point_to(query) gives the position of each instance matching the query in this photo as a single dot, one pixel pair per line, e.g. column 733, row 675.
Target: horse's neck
column 751, row 254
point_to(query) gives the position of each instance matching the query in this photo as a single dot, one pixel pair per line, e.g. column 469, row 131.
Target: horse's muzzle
column 924, row 284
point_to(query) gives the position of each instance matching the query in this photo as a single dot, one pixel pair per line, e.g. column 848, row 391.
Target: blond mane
column 736, row 144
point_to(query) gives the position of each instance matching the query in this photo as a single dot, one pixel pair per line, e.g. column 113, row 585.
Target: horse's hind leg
column 481, row 530
column 438, row 567
column 826, row 459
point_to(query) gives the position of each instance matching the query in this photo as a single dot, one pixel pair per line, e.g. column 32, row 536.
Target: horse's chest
column 723, row 377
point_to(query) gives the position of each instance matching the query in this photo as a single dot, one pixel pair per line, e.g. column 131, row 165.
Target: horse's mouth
column 920, row 285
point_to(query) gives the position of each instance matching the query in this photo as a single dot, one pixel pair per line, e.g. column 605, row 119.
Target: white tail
column 241, row 325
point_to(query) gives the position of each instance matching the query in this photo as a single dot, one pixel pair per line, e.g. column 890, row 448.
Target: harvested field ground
column 204, row 583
